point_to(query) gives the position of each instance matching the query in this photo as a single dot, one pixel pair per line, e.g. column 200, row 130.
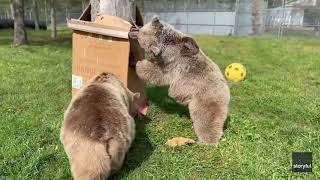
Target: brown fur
column 98, row 128
column 194, row 80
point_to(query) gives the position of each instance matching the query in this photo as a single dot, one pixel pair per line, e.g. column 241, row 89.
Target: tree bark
column 53, row 21
column 8, row 14
column 317, row 26
column 125, row 9
column 67, row 12
column 12, row 10
column 46, row 11
column 20, row 35
column 316, row 22
column 95, row 6
column 36, row 14
column 256, row 14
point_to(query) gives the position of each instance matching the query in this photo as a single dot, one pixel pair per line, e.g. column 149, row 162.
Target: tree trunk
column 8, row 14
column 317, row 30
column 46, row 11
column 12, row 10
column 125, row 9
column 20, row 35
column 95, row 6
column 257, row 18
column 53, row 21
column 36, row 14
column 66, row 12
column 317, row 24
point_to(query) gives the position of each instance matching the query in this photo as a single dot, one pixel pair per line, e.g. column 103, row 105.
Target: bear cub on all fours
column 194, row 80
column 98, row 127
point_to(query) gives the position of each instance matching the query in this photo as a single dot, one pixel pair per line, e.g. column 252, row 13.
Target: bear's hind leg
column 208, row 120
column 89, row 161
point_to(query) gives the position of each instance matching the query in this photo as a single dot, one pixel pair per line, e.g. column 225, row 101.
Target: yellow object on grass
column 235, row 72
column 179, row 141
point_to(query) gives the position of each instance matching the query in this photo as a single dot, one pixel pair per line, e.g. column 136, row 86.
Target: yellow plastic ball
column 235, row 72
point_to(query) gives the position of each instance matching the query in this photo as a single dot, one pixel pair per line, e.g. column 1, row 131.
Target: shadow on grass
column 139, row 152
column 159, row 96
column 227, row 123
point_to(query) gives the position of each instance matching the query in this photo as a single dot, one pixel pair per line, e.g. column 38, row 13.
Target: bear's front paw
column 141, row 68
column 143, row 63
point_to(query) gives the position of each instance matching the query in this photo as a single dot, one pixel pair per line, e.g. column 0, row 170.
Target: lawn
column 274, row 112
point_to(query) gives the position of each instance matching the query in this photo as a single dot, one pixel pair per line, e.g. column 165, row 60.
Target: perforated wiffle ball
column 235, row 72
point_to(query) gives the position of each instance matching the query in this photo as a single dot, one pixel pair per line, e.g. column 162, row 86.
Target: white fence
column 287, row 17
column 215, row 23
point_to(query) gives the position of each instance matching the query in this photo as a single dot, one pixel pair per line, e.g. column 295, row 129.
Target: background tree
column 20, row 35
column 12, row 10
column 53, row 20
column 7, row 5
column 317, row 22
column 257, row 16
column 35, row 14
column 125, row 9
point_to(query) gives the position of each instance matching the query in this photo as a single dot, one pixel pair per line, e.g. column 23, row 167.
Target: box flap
column 113, row 21
column 104, row 25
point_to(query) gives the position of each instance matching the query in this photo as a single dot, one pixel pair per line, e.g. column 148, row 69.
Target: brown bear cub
column 98, row 127
column 194, row 80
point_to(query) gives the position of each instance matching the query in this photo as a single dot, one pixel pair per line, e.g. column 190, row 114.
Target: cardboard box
column 102, row 46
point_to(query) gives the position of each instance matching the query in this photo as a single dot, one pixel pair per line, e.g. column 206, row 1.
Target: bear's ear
column 156, row 21
column 189, row 46
column 155, row 50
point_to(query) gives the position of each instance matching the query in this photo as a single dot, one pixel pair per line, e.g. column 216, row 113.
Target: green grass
column 274, row 112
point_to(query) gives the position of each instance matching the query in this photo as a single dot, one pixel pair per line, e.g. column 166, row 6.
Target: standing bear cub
column 98, row 127
column 194, row 80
